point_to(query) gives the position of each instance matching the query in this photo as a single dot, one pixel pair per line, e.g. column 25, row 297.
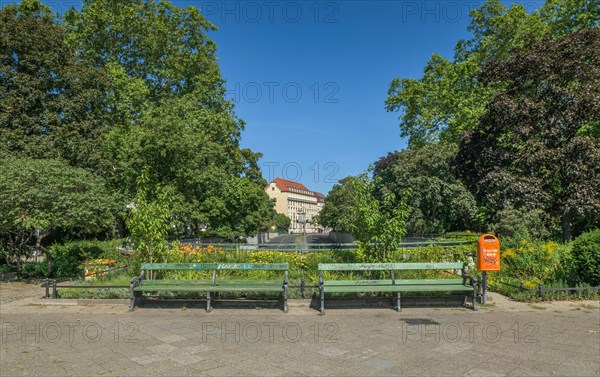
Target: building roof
column 285, row 185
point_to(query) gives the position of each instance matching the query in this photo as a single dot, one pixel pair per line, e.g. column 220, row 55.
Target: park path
column 64, row 338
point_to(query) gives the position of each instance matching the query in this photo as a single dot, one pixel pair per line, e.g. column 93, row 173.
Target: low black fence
column 53, row 283
column 313, row 247
column 541, row 290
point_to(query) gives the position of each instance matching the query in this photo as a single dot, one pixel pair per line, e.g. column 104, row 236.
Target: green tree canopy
column 439, row 200
column 449, row 98
column 378, row 219
column 52, row 103
column 535, row 147
column 281, row 222
column 169, row 113
column 337, row 213
column 41, row 197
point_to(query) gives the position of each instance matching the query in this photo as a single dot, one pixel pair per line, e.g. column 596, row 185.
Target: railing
column 541, row 290
column 312, row 247
column 53, row 283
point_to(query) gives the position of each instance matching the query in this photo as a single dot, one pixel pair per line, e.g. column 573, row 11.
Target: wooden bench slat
column 176, row 266
column 174, row 288
column 139, row 284
column 399, row 288
column 357, row 282
column 390, row 266
column 176, row 282
column 456, row 284
column 256, row 288
column 398, row 282
column 216, row 266
column 362, row 288
column 249, row 282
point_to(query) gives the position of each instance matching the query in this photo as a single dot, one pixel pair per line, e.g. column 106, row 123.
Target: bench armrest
column 136, row 280
column 471, row 278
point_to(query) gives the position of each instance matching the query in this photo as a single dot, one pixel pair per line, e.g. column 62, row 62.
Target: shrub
column 586, row 255
column 67, row 258
column 521, row 223
column 533, row 262
column 5, row 268
column 32, row 270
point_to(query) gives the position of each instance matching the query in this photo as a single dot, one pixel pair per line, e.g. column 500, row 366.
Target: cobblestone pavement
column 60, row 338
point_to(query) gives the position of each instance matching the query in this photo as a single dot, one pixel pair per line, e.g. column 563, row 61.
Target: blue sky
column 310, row 78
column 342, row 57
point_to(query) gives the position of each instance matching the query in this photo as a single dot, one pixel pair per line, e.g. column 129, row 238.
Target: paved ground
column 60, row 337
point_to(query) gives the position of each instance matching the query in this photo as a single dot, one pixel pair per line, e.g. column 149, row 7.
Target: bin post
column 484, row 287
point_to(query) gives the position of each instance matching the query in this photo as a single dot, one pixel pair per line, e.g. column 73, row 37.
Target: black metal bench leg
column 474, row 299
column 285, row 299
column 131, row 299
column 464, row 301
column 322, row 300
column 208, row 306
column 398, row 307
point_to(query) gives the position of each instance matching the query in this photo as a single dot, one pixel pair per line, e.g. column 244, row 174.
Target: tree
column 449, row 98
column 281, row 222
column 337, row 213
column 534, row 148
column 39, row 198
column 439, row 200
column 169, row 113
column 52, row 103
column 150, row 219
column 379, row 220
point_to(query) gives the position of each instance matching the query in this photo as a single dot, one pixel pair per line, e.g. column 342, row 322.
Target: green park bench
column 463, row 283
column 138, row 284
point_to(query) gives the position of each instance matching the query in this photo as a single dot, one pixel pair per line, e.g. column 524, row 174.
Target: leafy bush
column 586, row 255
column 33, row 270
column 67, row 258
column 5, row 268
column 534, row 263
column 520, row 223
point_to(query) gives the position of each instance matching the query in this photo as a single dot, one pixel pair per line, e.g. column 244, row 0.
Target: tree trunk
column 38, row 246
column 566, row 221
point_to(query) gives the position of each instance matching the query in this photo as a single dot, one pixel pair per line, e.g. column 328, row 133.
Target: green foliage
column 67, row 257
column 33, row 270
column 116, row 278
column 42, row 197
column 170, row 114
column 150, row 219
column 97, row 90
column 5, row 268
column 586, row 254
column 281, row 222
column 53, row 102
column 528, row 152
column 379, row 221
column 337, row 213
column 449, row 99
column 521, row 224
column 535, row 262
column 439, row 200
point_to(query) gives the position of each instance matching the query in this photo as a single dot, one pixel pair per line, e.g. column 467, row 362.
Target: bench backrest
column 390, row 266
column 215, row 266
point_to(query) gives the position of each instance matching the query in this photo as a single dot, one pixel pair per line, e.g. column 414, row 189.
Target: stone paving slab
column 562, row 339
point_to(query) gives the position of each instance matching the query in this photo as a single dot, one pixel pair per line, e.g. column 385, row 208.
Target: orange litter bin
column 488, row 253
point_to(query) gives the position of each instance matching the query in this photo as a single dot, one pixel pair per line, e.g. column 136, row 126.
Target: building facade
column 298, row 203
